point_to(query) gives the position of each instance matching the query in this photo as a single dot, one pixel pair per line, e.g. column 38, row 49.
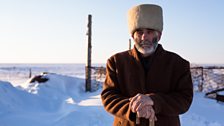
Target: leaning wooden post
column 88, row 67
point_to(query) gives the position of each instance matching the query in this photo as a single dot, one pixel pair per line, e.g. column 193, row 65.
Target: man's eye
column 150, row 31
column 140, row 32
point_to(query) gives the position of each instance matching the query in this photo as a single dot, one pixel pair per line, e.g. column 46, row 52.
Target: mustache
column 148, row 42
column 145, row 43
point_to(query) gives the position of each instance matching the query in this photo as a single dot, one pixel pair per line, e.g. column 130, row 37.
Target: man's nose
column 145, row 36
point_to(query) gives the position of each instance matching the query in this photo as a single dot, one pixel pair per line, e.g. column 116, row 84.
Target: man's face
column 146, row 40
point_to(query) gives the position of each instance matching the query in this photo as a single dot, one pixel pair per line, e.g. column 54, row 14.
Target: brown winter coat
column 168, row 82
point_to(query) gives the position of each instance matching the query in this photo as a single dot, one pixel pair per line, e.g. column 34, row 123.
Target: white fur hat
column 145, row 16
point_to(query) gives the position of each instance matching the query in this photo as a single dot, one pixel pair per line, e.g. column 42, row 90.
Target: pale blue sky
column 54, row 31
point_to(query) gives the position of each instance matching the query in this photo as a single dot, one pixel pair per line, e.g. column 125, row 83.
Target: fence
column 97, row 77
column 205, row 78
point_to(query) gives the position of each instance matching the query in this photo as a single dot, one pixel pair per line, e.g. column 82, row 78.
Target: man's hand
column 147, row 112
column 139, row 101
column 142, row 105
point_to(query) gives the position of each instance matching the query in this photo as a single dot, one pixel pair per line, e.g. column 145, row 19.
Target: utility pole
column 89, row 51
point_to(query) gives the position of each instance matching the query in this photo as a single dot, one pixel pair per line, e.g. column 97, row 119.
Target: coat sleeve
column 114, row 102
column 178, row 100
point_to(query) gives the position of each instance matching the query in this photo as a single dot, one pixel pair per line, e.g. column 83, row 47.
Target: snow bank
column 61, row 101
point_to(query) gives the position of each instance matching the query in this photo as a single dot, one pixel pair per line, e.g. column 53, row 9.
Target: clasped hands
column 142, row 105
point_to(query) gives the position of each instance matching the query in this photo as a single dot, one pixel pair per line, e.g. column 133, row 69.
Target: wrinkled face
column 146, row 40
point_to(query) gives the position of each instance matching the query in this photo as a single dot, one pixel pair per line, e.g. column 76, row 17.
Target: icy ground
column 62, row 101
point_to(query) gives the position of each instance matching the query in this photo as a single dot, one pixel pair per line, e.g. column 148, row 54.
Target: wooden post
column 30, row 73
column 129, row 44
column 88, row 67
column 200, row 86
column 202, row 80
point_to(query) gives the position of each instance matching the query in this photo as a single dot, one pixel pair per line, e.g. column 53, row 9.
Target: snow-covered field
column 62, row 101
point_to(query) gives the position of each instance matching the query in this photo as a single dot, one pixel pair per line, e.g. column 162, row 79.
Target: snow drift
column 61, row 101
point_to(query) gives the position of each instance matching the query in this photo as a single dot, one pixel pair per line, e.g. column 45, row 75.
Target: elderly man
column 147, row 83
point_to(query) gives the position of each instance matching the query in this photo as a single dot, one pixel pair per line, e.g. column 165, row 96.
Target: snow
column 204, row 112
column 62, row 101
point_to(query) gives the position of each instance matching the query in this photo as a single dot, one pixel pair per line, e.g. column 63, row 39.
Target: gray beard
column 146, row 48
